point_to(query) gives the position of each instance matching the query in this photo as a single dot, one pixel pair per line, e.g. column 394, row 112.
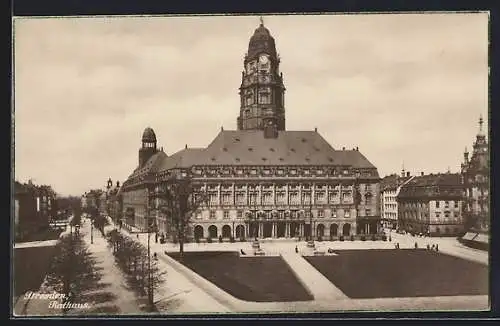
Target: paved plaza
column 327, row 296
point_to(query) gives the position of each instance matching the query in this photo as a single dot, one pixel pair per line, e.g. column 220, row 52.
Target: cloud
column 401, row 87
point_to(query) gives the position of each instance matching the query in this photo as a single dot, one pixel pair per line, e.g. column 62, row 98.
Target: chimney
column 117, row 184
column 422, row 174
column 222, row 128
column 343, row 148
column 407, row 174
column 315, row 129
column 357, row 149
column 186, row 146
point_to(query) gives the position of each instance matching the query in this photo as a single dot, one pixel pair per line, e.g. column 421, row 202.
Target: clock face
column 263, row 59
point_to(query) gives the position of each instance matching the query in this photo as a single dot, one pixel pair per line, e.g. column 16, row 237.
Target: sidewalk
column 449, row 246
column 319, row 286
column 122, row 299
column 178, row 295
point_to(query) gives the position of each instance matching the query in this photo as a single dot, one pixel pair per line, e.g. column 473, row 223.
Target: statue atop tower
column 262, row 89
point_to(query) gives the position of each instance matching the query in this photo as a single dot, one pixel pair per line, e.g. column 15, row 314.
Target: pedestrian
column 398, row 245
column 137, row 235
column 296, row 250
column 432, row 248
column 416, row 245
column 437, row 248
column 428, row 247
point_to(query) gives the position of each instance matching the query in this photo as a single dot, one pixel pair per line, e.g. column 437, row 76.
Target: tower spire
column 481, row 123
column 261, row 21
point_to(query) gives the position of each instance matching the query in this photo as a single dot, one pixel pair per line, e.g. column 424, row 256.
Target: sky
column 404, row 88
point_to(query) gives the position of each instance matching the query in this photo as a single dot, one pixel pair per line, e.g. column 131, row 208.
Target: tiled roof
column 392, row 181
column 433, row 185
column 441, row 179
column 151, row 165
column 250, row 147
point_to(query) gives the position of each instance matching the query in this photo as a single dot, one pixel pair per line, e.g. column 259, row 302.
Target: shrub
column 352, row 237
column 209, row 240
column 231, row 239
column 363, row 238
column 242, row 239
column 341, row 238
column 384, row 238
column 331, row 237
column 220, row 238
column 374, row 237
column 320, row 238
column 197, row 240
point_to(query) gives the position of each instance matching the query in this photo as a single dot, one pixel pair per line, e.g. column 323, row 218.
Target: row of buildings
column 444, row 203
column 34, row 208
column 263, row 180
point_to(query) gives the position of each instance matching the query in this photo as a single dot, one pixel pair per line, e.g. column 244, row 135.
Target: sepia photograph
column 250, row 164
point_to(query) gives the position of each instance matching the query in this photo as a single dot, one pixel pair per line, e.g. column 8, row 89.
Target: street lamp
column 310, row 243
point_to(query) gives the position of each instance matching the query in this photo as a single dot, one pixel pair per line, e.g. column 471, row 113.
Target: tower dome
column 261, row 41
column 149, row 136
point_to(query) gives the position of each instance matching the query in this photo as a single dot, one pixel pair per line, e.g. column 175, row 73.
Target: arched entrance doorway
column 320, row 230
column 226, row 231
column 334, row 230
column 294, row 229
column 268, row 230
column 346, row 229
column 240, row 231
column 198, row 232
column 280, row 229
column 212, row 231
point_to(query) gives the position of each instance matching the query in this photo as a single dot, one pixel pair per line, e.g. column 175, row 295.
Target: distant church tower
column 262, row 90
column 148, row 148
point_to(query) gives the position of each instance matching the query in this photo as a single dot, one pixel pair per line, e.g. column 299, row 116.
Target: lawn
column 261, row 279
column 401, row 273
column 30, row 267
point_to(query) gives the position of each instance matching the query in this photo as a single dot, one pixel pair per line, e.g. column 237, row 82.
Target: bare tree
column 180, row 201
column 73, row 269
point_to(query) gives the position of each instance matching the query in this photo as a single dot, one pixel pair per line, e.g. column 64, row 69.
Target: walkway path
column 178, row 294
column 123, row 300
column 319, row 286
column 46, row 243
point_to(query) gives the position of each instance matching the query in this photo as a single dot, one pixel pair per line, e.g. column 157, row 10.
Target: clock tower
column 262, row 90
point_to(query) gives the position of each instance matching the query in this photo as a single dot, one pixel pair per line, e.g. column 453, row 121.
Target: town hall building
column 261, row 180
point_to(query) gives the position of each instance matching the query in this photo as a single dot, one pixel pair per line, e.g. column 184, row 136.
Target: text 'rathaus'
column 260, row 180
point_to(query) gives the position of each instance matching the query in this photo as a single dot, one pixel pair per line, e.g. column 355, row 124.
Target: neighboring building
column 476, row 183
column 262, row 180
column 34, row 207
column 390, row 187
column 431, row 204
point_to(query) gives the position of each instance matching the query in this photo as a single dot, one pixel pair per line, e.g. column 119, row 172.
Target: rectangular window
column 446, row 204
column 239, row 214
column 321, row 213
column 226, row 214
column 437, row 203
column 368, row 212
column 226, row 199
column 212, row 214
column 347, row 214
column 268, row 198
column 334, row 213
column 213, row 198
column 240, row 198
column 306, row 198
column 456, row 203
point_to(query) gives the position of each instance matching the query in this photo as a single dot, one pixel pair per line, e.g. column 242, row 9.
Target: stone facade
column 260, row 180
column 432, row 205
column 476, row 183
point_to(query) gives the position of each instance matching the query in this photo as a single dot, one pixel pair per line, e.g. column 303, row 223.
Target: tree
column 180, row 200
column 73, row 269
